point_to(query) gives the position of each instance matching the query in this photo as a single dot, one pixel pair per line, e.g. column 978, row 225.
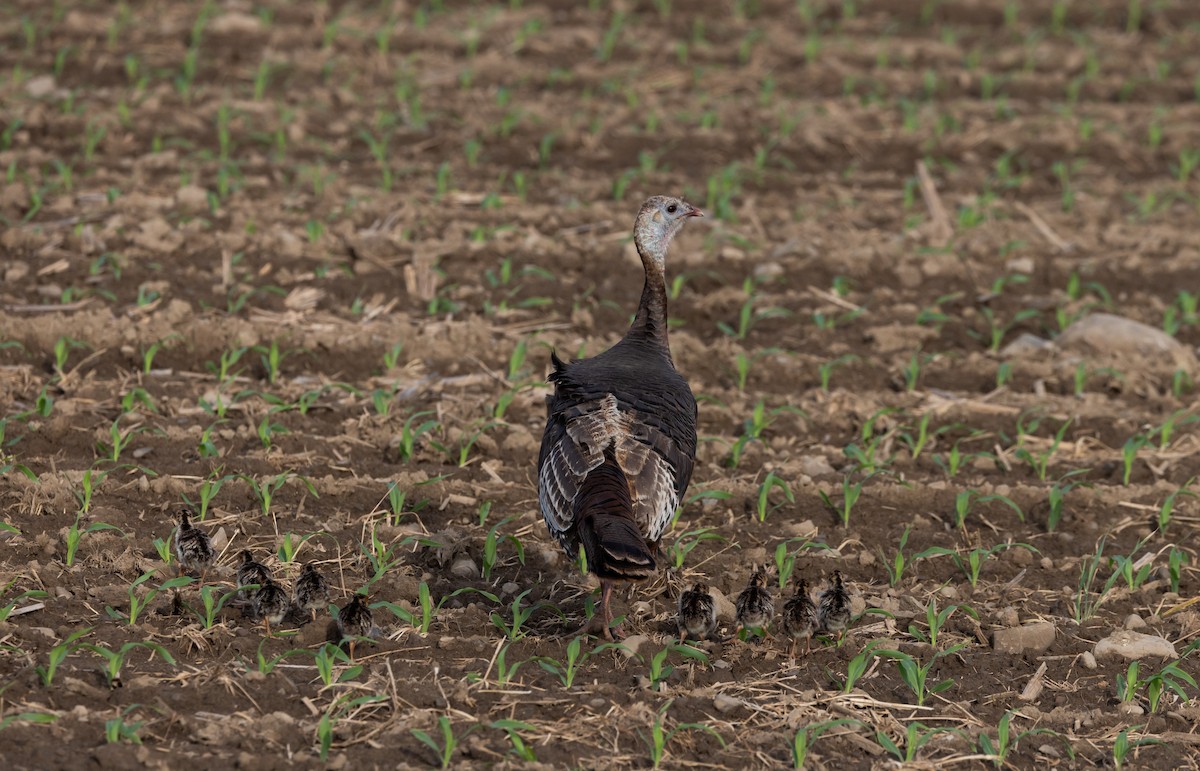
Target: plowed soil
column 299, row 267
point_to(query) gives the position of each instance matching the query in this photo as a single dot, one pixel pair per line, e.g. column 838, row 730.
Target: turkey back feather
column 611, row 539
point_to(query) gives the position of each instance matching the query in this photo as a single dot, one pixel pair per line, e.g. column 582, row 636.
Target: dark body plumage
column 193, row 547
column 251, row 572
column 833, row 606
column 800, row 616
column 271, row 604
column 311, row 592
column 755, row 605
column 620, row 438
column 697, row 616
column 355, row 620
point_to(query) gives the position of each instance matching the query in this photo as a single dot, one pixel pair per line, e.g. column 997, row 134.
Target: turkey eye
column 671, row 209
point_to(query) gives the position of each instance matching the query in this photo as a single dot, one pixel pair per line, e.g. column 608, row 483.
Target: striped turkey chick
column 697, row 615
column 799, row 617
column 193, row 548
column 755, row 605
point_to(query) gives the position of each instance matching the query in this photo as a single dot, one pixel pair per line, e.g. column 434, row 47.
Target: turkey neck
column 650, row 323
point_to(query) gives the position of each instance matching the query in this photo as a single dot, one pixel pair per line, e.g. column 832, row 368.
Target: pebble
column 1008, row 616
column 632, row 644
column 725, row 703
column 1025, row 345
column 1134, row 621
column 42, row 85
column 510, row 587
column 191, row 198
column 464, row 567
column 768, row 271
column 1134, row 645
column 726, row 610
column 1034, row 638
column 815, row 466
column 1088, row 660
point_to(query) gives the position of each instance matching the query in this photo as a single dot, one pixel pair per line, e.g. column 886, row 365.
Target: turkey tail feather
column 611, row 538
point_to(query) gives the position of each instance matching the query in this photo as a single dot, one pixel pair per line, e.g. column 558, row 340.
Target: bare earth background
column 284, row 257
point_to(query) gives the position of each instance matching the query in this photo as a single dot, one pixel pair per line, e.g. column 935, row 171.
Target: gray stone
column 1134, row 645
column 464, row 567
column 1088, row 660
column 726, row 611
column 1134, row 621
column 40, row 86
column 1105, row 334
column 632, row 644
column 1025, row 345
column 1034, row 638
column 726, row 703
column 815, row 466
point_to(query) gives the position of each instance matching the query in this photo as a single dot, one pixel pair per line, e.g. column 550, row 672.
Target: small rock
column 42, row 85
column 220, row 539
column 235, row 22
column 1047, row 563
column 726, row 611
column 1008, row 616
column 1134, row 645
column 1022, row 557
column 464, row 567
column 1130, row 708
column 949, row 592
column 632, row 644
column 722, row 664
column 1025, row 345
column 191, row 198
column 510, row 587
column 866, row 558
column 1108, row 334
column 805, row 529
column 1020, row 265
column 768, row 271
column 1134, row 621
column 1034, row 638
column 725, row 703
column 815, row 466
column 1088, row 660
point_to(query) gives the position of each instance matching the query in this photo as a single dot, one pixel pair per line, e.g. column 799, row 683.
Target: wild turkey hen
column 620, row 437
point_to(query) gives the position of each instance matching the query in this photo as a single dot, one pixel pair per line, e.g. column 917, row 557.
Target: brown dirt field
column 321, row 249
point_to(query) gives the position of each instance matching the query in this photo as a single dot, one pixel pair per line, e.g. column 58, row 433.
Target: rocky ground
column 299, row 267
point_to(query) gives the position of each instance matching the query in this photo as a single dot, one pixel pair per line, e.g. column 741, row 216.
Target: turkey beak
column 693, row 212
